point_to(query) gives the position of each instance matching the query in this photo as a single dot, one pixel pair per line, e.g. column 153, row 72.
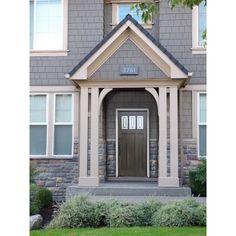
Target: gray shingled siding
column 85, row 31
column 176, row 35
column 128, row 54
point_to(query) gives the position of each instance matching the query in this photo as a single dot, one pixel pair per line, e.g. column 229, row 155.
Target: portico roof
column 128, row 28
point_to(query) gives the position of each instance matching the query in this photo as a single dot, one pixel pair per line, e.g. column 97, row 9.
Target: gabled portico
column 176, row 77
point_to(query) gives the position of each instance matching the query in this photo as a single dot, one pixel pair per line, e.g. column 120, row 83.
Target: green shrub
column 143, row 212
column 101, row 210
column 43, row 198
column 200, row 216
column 184, row 213
column 33, row 174
column 78, row 212
column 34, row 208
column 197, row 179
column 121, row 215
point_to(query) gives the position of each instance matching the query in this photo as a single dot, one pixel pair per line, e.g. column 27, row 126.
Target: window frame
column 115, row 14
column 196, row 49
column 61, row 123
column 199, row 124
column 37, row 124
column 64, row 50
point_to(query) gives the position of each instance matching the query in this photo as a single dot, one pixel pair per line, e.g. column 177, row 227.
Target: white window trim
column 196, row 49
column 64, row 51
column 198, row 124
column 115, row 15
column 46, row 123
column 63, row 123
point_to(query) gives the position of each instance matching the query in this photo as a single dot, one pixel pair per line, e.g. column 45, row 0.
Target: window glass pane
column 124, row 122
column 63, row 108
column 202, row 140
column 38, row 139
column 202, row 107
column 48, row 24
column 62, row 139
column 132, row 122
column 38, row 108
column 201, row 22
column 139, row 122
column 31, row 21
column 124, row 9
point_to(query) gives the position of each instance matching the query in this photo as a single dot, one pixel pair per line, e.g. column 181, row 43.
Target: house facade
column 112, row 98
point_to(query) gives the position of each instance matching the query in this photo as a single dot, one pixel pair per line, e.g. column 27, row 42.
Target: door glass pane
column 124, row 9
column 124, row 122
column 63, row 140
column 38, row 139
column 63, row 108
column 202, row 140
column 38, row 108
column 201, row 22
column 139, row 122
column 132, row 122
column 202, row 106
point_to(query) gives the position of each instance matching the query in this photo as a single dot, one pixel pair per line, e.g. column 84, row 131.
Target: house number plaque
column 128, row 70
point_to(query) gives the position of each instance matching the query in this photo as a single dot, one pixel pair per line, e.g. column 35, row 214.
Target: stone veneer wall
column 56, row 174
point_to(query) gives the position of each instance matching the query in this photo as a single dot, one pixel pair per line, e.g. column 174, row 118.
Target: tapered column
column 162, row 136
column 94, row 137
column 83, row 163
column 174, row 137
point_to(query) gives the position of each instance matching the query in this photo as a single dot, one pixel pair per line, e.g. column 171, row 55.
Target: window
column 63, row 125
column 38, row 125
column 48, row 24
column 202, row 125
column 119, row 12
column 198, row 27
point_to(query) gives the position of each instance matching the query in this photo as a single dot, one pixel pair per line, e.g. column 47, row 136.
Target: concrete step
column 127, row 189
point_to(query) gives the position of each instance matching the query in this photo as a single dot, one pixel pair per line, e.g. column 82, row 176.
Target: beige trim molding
column 127, row 1
column 197, row 87
column 48, row 89
column 48, row 53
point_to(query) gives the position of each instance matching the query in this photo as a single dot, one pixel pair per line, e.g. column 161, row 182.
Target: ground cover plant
column 139, row 231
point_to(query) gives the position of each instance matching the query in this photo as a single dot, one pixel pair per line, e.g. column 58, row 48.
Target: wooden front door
column 132, row 143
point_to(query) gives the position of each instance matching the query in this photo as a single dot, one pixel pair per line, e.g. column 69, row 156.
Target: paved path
column 134, row 199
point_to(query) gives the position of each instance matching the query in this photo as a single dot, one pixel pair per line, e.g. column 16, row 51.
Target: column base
column 168, row 182
column 89, row 181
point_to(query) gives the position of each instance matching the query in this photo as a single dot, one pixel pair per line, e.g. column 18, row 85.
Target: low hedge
column 80, row 212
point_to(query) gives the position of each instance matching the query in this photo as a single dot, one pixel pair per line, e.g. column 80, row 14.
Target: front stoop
column 127, row 190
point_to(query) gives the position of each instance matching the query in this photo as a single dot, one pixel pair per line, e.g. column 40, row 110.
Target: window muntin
column 201, row 22
column 46, row 24
column 63, row 125
column 38, row 125
column 202, row 125
column 124, row 9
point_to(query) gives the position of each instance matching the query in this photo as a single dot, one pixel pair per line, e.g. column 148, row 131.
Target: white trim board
column 132, row 109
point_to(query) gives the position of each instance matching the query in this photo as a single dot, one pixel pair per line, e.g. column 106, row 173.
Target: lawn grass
column 139, row 231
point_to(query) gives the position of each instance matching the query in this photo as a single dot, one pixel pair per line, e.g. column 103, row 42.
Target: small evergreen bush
column 178, row 214
column 43, row 198
column 34, row 208
column 78, row 212
column 143, row 212
column 197, row 179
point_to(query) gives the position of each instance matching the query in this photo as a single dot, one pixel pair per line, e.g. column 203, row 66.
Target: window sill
column 46, row 53
column 198, row 50
column 51, row 157
column 145, row 26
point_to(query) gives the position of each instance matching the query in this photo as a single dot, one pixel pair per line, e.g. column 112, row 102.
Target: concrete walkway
column 134, row 199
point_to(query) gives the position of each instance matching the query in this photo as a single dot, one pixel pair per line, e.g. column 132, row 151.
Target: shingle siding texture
column 85, row 31
column 128, row 54
column 175, row 33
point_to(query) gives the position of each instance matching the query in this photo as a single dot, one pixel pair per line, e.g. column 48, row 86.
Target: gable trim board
column 128, row 29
